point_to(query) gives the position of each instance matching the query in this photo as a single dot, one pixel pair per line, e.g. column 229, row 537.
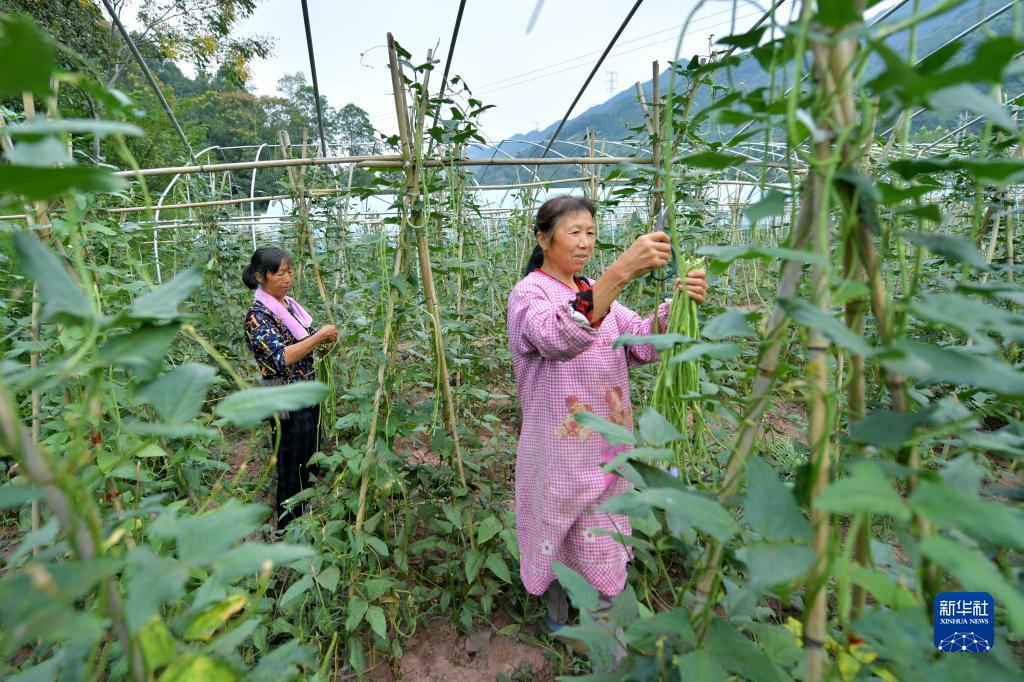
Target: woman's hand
column 327, row 334
column 696, row 284
column 648, row 253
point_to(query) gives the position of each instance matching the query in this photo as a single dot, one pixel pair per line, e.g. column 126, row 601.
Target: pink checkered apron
column 563, row 367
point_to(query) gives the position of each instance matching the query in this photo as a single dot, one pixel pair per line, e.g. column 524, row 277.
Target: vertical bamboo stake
column 854, row 310
column 412, row 145
column 656, row 199
column 706, row 588
column 297, row 180
column 816, row 368
column 343, row 240
column 832, row 63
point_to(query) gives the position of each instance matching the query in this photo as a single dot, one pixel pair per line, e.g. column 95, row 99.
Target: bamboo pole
column 391, row 161
column 816, row 369
column 705, row 591
column 338, row 190
column 298, row 183
column 414, row 147
column 656, row 197
column 832, row 63
column 645, row 112
column 856, row 389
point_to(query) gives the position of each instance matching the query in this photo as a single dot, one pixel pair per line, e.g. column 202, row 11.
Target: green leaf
column 953, row 366
column 685, row 510
column 1001, row 171
column 712, row 160
column 582, row 594
column 864, row 491
column 473, row 560
column 614, row 434
column 975, row 572
column 838, row 15
column 699, row 666
column 744, row 40
column 487, row 529
column 885, row 590
column 661, row 342
column 196, row 668
column 948, row 506
column 965, row 97
column 329, row 577
column 671, row 625
column 771, row 564
column 773, row 203
column 42, row 184
column 356, row 655
column 722, row 256
column 157, row 642
column 178, row 395
column 141, row 350
column 213, row 616
column 90, row 126
column 496, row 565
column 204, row 538
column 815, row 318
column 378, row 623
column 732, row 322
column 887, row 429
column 45, row 153
column 251, row 406
column 971, row 316
column 770, row 507
column 150, row 450
column 296, row 590
column 27, row 55
column 161, row 304
column 656, row 430
column 64, row 299
column 14, row 495
column 715, row 351
column 357, row 607
column 283, row 663
column 251, row 558
column 953, row 248
column 153, row 582
column 739, row 655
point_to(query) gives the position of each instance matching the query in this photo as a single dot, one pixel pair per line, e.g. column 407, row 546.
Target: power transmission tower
column 611, row 83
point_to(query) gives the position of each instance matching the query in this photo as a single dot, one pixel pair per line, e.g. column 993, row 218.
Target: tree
column 198, row 32
column 296, row 110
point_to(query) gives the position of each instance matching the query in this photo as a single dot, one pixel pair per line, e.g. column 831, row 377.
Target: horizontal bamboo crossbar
column 385, row 161
column 315, row 193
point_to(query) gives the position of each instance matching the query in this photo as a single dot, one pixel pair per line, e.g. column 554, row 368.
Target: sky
column 530, row 77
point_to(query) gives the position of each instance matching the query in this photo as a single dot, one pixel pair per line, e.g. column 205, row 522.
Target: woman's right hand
column 328, row 333
column 648, row 253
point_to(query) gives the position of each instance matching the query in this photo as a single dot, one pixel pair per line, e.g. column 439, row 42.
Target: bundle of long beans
column 678, row 385
column 329, row 405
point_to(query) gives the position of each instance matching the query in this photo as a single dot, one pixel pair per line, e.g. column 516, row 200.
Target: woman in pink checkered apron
column 561, row 327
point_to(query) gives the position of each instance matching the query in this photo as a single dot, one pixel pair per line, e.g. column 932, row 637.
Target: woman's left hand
column 696, row 284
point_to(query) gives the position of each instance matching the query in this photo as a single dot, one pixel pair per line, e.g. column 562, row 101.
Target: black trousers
column 300, row 438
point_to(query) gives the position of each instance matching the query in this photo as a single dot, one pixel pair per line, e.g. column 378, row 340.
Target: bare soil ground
column 438, row 653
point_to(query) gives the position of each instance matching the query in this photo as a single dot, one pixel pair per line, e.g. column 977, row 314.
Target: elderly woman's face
column 277, row 284
column 571, row 244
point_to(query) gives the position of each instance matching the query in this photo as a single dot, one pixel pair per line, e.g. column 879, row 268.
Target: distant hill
column 613, row 119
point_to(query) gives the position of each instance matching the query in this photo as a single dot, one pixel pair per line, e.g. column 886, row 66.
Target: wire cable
column 149, row 76
column 312, row 72
column 447, row 67
column 593, row 72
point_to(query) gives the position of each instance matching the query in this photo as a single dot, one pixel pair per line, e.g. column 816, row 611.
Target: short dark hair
column 264, row 259
column 548, row 215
